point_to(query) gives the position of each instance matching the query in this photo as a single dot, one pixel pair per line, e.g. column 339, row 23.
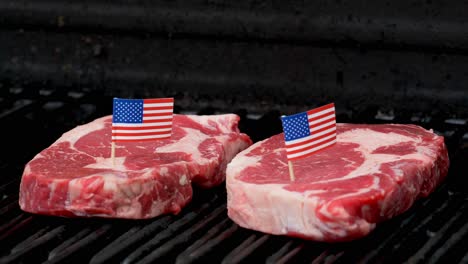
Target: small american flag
column 142, row 119
column 309, row 132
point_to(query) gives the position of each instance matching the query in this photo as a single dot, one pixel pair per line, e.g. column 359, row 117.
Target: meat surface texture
column 373, row 173
column 75, row 176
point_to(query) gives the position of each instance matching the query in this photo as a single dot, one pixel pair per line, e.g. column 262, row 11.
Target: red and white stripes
column 322, row 125
column 156, row 122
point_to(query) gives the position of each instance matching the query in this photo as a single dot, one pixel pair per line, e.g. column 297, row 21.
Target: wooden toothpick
column 113, row 153
column 291, row 171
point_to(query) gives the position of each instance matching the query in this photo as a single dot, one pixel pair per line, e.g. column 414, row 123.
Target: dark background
column 254, row 55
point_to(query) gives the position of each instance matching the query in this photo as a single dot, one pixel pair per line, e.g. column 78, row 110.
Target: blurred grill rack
column 258, row 54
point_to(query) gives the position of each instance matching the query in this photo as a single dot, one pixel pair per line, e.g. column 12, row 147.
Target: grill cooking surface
column 434, row 230
column 259, row 56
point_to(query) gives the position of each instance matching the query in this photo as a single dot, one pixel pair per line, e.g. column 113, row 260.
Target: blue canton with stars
column 295, row 126
column 127, row 111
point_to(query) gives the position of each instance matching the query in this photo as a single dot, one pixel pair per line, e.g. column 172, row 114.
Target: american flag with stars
column 142, row 119
column 308, row 132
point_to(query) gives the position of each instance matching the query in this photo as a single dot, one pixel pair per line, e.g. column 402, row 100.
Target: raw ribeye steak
column 373, row 173
column 75, row 176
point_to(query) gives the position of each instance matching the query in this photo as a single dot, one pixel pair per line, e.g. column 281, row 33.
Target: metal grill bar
column 203, row 240
column 171, row 230
column 291, row 254
column 82, row 244
column 210, row 246
column 37, row 240
column 328, row 257
column 430, row 244
column 72, row 240
column 184, row 237
column 25, row 243
column 128, row 239
column 245, row 249
column 121, row 243
column 16, row 227
column 7, row 188
column 455, row 238
column 20, row 107
column 464, row 260
column 13, row 205
column 275, row 257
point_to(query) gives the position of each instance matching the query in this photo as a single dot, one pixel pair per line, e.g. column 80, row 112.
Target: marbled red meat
column 76, row 177
column 373, row 173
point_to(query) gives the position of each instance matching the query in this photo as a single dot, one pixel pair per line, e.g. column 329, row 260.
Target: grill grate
column 433, row 230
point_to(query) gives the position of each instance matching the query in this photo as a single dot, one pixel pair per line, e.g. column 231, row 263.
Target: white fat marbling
column 240, row 163
column 108, row 163
column 220, row 120
column 190, row 144
column 372, row 140
column 163, row 171
column 183, row 180
column 74, row 189
column 78, row 132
